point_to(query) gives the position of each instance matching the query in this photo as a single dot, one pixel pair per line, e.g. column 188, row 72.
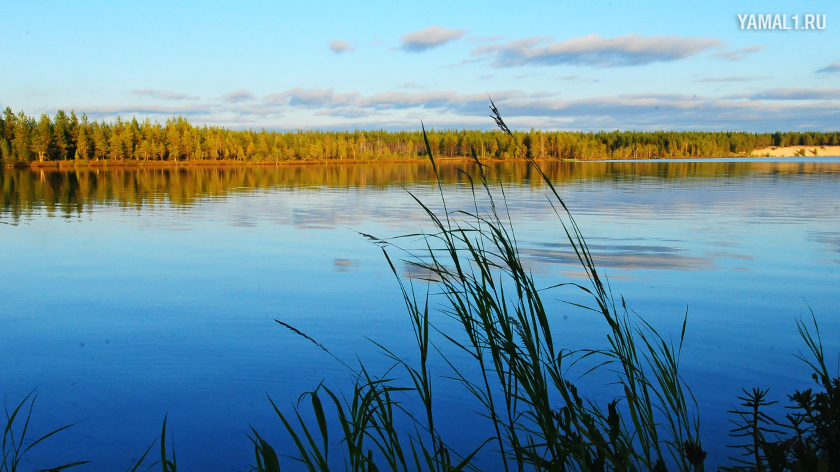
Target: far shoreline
column 772, row 151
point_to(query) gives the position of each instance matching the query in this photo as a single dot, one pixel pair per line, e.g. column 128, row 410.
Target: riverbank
column 136, row 163
column 794, row 151
column 789, row 151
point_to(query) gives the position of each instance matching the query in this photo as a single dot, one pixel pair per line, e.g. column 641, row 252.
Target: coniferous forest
column 68, row 137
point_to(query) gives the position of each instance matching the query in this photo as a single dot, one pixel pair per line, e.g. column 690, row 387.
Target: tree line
column 23, row 139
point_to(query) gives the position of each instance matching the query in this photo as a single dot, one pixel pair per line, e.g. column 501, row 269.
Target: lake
column 130, row 294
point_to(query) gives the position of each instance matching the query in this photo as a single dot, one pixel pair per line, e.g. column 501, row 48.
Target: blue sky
column 304, row 65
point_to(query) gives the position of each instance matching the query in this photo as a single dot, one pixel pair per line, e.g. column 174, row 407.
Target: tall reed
column 15, row 444
column 539, row 419
column 808, row 437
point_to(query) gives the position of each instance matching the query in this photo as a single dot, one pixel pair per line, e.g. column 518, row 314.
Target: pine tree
column 144, row 149
column 145, row 135
column 9, row 128
column 74, row 135
column 116, row 145
column 198, row 147
column 83, row 144
column 22, row 138
column 130, row 138
column 100, row 141
column 262, row 147
column 6, row 124
column 5, row 150
column 61, row 134
column 173, row 138
column 42, row 138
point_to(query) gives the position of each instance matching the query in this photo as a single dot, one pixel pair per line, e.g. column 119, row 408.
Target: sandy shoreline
column 790, row 151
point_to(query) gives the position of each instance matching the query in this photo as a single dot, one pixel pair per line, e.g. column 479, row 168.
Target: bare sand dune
column 790, row 151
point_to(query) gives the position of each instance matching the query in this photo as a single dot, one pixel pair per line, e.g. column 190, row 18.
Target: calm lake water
column 131, row 294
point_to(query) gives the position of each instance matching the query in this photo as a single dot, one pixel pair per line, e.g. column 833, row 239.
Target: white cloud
column 484, row 39
column 115, row 110
column 299, row 97
column 738, row 54
column 238, row 96
column 163, row 94
column 793, row 94
column 577, row 78
column 429, row 38
column 337, row 46
column 347, row 112
column 830, row 69
column 311, row 98
column 731, row 79
column 594, row 50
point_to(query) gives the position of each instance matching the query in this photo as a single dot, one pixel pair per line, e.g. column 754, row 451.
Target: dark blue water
column 126, row 298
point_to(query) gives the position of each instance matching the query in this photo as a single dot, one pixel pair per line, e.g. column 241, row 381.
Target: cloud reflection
column 831, row 242
column 621, row 256
column 345, row 265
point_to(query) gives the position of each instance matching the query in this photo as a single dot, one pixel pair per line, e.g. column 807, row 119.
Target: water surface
column 131, row 294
